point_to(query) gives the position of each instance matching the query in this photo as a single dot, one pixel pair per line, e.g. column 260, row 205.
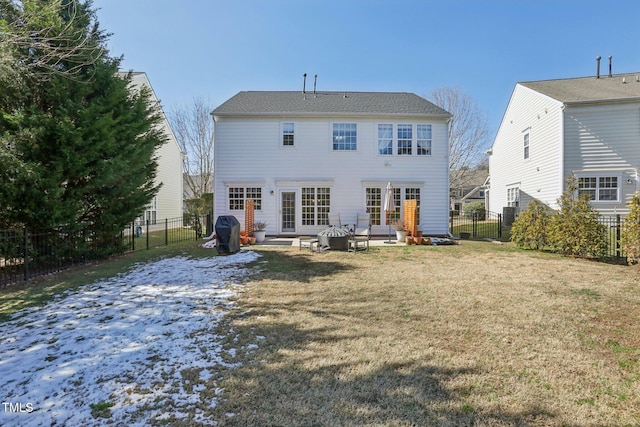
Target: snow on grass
column 133, row 348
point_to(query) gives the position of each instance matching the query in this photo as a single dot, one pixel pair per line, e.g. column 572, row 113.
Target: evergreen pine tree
column 83, row 143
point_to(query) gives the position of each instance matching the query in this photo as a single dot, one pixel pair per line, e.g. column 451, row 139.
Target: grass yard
column 476, row 334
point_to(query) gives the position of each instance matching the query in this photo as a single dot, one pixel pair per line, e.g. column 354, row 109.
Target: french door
column 288, row 211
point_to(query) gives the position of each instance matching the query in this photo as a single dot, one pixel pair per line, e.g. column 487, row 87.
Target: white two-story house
column 302, row 155
column 586, row 127
column 168, row 202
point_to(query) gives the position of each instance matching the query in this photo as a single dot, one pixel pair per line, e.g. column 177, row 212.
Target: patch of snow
column 125, row 341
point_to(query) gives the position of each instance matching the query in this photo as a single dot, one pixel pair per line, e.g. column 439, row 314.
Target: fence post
column 166, row 231
column 133, row 237
column 499, row 226
column 147, row 234
column 25, row 235
column 474, row 224
column 451, row 222
column 618, row 236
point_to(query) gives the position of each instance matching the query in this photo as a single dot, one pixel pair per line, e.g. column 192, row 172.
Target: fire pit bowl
column 334, row 238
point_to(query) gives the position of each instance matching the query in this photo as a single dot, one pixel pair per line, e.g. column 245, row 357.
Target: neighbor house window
column 424, row 140
column 150, row 212
column 526, row 145
column 405, row 138
column 385, row 139
column 287, row 134
column 315, row 205
column 374, row 204
column 604, row 188
column 238, row 195
column 345, row 137
column 513, row 197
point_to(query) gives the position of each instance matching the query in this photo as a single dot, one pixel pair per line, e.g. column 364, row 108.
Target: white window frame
column 344, row 130
column 403, row 149
column 384, row 139
column 285, row 132
column 526, row 144
column 424, row 144
column 513, row 196
column 598, row 187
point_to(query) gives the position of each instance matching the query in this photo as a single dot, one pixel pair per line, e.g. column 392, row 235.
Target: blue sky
column 213, row 49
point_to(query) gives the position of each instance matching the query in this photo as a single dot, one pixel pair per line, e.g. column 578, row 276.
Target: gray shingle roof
column 334, row 103
column 590, row 89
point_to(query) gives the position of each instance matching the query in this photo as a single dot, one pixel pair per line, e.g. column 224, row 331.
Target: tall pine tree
column 82, row 141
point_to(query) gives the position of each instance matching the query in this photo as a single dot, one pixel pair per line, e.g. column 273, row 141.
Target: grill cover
column 334, row 238
column 228, row 234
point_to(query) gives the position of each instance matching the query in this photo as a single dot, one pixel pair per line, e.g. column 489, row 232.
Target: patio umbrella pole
column 389, row 205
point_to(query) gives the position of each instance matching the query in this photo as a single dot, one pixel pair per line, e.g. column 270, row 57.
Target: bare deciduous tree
column 42, row 42
column 468, row 139
column 193, row 127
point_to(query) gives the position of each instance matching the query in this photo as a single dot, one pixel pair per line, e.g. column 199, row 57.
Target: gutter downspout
column 561, row 176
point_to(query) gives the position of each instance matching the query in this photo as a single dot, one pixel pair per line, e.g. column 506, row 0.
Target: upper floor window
column 405, row 139
column 526, row 145
column 603, row 188
column 424, row 140
column 287, row 134
column 345, row 137
column 385, row 139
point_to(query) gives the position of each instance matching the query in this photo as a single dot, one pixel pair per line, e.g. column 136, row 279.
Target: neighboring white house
column 169, row 200
column 302, row 155
column 588, row 127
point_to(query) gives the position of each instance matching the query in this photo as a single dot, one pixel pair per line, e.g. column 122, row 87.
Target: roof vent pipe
column 315, row 79
column 610, row 57
column 598, row 67
column 304, row 82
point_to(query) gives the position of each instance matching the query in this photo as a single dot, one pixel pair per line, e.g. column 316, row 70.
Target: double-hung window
column 405, row 139
column 345, row 137
column 424, row 140
column 602, row 188
column 526, row 145
column 287, row 134
column 385, row 139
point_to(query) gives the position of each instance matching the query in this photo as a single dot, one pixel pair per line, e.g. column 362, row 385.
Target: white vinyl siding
column 314, row 164
column 540, row 175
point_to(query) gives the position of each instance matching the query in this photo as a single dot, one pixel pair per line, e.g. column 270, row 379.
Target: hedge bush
column 630, row 233
column 575, row 229
column 475, row 208
column 529, row 230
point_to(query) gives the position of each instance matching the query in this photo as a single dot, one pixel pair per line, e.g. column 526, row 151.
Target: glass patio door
column 288, row 211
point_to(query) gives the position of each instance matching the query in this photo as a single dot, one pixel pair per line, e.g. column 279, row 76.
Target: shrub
column 529, row 230
column 630, row 234
column 476, row 208
column 575, row 229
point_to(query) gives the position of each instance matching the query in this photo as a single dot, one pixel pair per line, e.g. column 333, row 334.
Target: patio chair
column 334, row 220
column 363, row 226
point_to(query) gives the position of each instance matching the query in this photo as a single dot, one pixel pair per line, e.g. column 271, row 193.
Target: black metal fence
column 613, row 226
column 485, row 224
column 27, row 253
column 478, row 225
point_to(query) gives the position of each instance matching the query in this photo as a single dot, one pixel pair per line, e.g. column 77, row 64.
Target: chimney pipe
column 610, row 57
column 304, row 83
column 315, row 79
column 598, row 68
